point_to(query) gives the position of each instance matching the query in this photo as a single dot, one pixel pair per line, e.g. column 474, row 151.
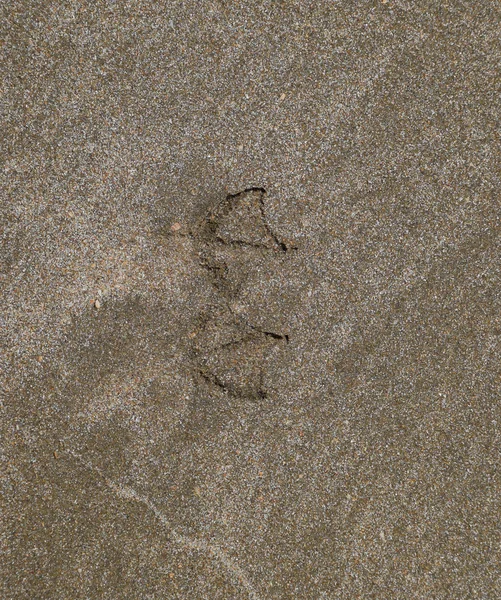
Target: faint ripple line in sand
column 192, row 543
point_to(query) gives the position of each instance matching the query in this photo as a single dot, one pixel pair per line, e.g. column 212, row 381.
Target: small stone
column 282, row 97
column 176, row 227
column 97, row 304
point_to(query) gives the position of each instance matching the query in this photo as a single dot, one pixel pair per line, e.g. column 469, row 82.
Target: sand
column 251, row 300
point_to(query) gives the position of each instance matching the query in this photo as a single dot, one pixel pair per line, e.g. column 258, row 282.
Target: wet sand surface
column 250, row 282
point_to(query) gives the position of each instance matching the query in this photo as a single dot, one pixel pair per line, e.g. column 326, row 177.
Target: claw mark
column 215, row 551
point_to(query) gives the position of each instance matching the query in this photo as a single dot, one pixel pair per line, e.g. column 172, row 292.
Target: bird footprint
column 233, row 239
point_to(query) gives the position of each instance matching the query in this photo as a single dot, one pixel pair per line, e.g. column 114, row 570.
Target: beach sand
column 251, row 300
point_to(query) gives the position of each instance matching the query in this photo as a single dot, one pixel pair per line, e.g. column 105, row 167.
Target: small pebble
column 176, row 227
column 97, row 304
